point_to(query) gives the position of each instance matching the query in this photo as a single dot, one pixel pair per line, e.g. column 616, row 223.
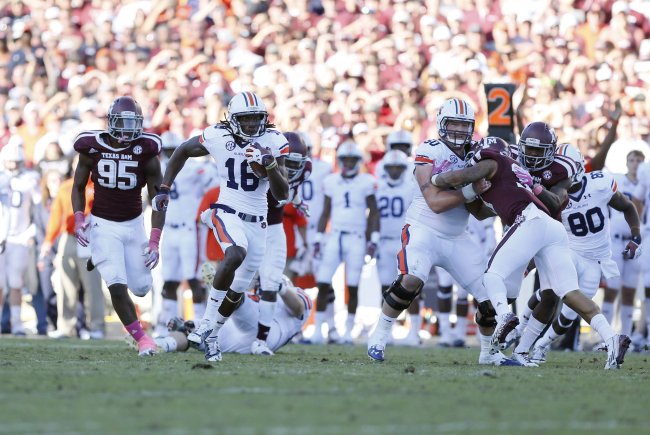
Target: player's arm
column 372, row 229
column 325, row 215
column 293, row 302
column 479, row 209
column 153, row 176
column 598, row 161
column 5, row 222
column 484, row 169
column 278, row 183
column 556, row 197
column 81, row 175
column 621, row 203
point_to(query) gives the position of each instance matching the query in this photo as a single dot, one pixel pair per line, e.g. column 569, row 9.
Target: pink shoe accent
column 146, row 346
column 136, row 331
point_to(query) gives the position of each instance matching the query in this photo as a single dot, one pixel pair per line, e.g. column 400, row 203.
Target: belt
column 243, row 216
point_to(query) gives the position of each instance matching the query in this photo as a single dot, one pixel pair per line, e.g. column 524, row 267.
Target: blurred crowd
column 336, row 69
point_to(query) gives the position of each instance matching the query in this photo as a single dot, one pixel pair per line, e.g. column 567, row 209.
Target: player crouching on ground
column 237, row 336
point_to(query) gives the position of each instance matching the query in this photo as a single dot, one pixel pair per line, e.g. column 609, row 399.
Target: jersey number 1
column 248, row 180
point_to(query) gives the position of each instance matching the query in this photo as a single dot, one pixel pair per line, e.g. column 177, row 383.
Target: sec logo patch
column 137, row 150
column 230, row 145
column 547, row 175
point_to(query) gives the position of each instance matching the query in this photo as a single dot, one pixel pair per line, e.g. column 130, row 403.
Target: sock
column 602, row 327
column 199, row 310
column 319, row 319
column 496, row 290
column 169, row 310
column 349, row 324
column 608, row 311
column 415, row 324
column 535, row 327
column 135, row 329
column 548, row 338
column 329, row 311
column 16, row 320
column 217, row 324
column 267, row 308
column 443, row 324
column 461, row 328
column 526, row 315
column 383, row 329
column 485, row 342
column 627, row 311
column 213, row 303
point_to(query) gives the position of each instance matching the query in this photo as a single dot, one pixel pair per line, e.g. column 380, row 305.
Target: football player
column 298, row 169
column 553, row 170
column 22, row 193
column 349, row 195
column 121, row 161
column 179, row 246
column 291, row 314
column 587, row 223
column 394, row 196
column 532, row 233
column 435, row 235
column 398, row 140
column 249, row 155
column 630, row 271
column 642, row 200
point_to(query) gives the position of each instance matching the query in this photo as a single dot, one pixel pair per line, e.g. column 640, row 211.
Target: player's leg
column 245, row 270
column 331, row 258
column 614, row 284
column 68, row 287
column 462, row 310
column 270, row 284
column 189, row 259
column 171, row 273
column 95, row 305
column 415, row 260
column 445, row 296
column 354, row 251
column 18, row 255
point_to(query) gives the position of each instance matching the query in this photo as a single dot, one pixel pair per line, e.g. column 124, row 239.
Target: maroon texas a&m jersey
column 562, row 168
column 274, row 215
column 118, row 173
column 508, row 197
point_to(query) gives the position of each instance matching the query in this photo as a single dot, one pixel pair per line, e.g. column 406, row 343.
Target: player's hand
column 523, row 176
column 256, row 153
column 161, row 200
column 615, row 114
column 371, row 249
column 481, row 186
column 80, row 228
column 3, row 245
column 151, row 252
column 303, row 208
column 317, row 251
column 633, row 248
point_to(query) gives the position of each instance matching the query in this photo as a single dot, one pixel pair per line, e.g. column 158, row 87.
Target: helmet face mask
column 395, row 172
column 294, row 163
column 247, row 115
column 537, row 146
column 456, row 123
column 125, row 120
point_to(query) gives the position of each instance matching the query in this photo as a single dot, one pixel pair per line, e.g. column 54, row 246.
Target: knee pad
column 331, row 296
column 169, row 290
column 485, row 316
column 565, row 320
column 396, row 289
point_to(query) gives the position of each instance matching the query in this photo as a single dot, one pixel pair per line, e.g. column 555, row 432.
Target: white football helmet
column 398, row 159
column 346, row 150
column 397, row 138
column 247, row 115
column 456, row 110
column 574, row 154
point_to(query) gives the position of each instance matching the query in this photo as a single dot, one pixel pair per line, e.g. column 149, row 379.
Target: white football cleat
column 197, row 337
column 538, row 354
column 260, row 347
column 523, row 359
column 316, row 338
column 497, row 359
column 617, row 346
column 333, row 336
column 212, row 349
column 505, row 323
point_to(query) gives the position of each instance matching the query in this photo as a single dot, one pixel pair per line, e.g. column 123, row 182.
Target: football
column 258, row 169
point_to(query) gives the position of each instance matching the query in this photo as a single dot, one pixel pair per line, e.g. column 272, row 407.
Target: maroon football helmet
column 297, row 157
column 125, row 119
column 537, row 146
column 495, row 143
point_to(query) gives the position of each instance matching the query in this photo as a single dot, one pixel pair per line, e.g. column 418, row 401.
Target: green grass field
column 104, row 387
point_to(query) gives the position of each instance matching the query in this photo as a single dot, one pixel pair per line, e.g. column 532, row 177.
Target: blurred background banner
column 501, row 119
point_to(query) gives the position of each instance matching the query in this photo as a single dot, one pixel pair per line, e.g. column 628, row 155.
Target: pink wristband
column 79, row 217
column 154, row 236
column 537, row 189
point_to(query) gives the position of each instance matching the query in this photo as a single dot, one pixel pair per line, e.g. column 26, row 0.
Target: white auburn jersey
column 312, row 189
column 452, row 222
column 5, row 194
column 586, row 216
column 348, row 196
column 240, row 188
column 642, row 193
column 186, row 191
column 24, row 192
column 392, row 203
column 619, row 226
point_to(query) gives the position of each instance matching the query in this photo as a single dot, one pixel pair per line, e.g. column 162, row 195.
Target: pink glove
column 151, row 252
column 80, row 227
column 524, row 177
column 303, row 208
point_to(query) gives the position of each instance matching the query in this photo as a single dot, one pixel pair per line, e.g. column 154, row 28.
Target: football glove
column 161, row 200
column 80, row 228
column 633, row 248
